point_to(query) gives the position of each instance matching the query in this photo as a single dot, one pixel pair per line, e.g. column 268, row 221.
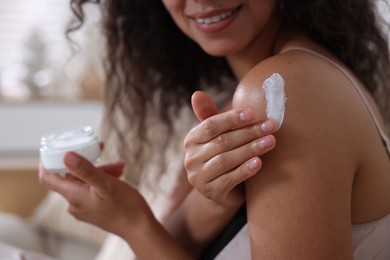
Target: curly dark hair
column 152, row 67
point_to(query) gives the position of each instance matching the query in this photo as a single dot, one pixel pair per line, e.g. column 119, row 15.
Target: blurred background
column 47, row 84
column 37, row 60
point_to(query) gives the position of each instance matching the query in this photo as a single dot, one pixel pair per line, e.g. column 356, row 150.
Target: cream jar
column 54, row 146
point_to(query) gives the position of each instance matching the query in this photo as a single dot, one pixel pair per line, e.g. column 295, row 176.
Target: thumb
column 203, row 105
column 84, row 170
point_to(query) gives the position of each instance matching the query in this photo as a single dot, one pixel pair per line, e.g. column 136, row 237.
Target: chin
column 220, row 50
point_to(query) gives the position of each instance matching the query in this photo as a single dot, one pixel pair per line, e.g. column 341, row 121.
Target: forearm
column 198, row 221
column 150, row 240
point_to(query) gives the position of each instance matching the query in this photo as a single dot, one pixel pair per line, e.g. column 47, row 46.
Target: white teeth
column 213, row 19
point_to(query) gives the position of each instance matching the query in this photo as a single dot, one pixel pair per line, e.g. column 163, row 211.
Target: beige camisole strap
column 382, row 133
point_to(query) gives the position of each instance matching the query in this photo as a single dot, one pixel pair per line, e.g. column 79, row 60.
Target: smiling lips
column 216, row 20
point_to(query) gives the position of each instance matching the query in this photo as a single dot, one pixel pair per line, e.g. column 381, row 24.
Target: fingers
column 84, row 170
column 230, row 140
column 222, row 188
column 223, row 150
column 115, row 169
column 224, row 162
column 230, row 159
column 233, row 139
column 203, row 105
column 82, row 173
column 65, row 185
column 218, row 124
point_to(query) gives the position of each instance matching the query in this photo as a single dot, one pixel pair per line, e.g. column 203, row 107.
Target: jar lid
column 68, row 140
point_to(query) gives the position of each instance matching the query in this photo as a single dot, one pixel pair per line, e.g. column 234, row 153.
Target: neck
column 261, row 48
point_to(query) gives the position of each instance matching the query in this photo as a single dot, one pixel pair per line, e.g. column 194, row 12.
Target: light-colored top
column 370, row 240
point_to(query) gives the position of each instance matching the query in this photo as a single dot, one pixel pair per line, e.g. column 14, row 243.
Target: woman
column 322, row 193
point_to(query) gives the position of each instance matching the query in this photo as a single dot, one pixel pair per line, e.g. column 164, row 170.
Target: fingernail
column 245, row 115
column 267, row 126
column 71, row 159
column 254, row 163
column 265, row 143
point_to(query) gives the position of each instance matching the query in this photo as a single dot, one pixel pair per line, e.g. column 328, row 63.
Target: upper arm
column 299, row 204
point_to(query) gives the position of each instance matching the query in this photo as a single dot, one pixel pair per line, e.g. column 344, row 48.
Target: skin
column 323, row 176
column 220, row 146
column 308, row 186
column 315, row 162
column 96, row 195
column 220, row 192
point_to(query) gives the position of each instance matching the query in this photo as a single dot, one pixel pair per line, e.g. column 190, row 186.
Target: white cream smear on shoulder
column 275, row 97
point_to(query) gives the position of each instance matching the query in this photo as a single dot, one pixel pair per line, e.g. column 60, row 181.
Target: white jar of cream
column 54, row 146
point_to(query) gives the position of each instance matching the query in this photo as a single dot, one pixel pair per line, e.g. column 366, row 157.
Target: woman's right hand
column 223, row 150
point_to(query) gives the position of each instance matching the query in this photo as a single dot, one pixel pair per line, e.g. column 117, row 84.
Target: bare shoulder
column 314, row 91
column 318, row 119
column 300, row 71
column 305, row 183
column 317, row 114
